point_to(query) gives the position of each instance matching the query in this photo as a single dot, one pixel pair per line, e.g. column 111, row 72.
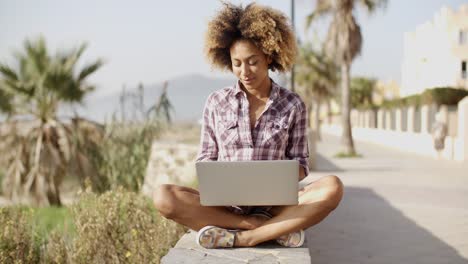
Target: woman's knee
column 332, row 191
column 165, row 200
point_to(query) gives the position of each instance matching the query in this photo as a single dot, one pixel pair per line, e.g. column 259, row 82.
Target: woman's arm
column 302, row 174
column 297, row 147
column 208, row 144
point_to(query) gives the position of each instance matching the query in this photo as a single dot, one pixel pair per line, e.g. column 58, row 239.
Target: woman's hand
column 301, row 173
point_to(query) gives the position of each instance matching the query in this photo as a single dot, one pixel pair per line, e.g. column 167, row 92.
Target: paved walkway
column 397, row 208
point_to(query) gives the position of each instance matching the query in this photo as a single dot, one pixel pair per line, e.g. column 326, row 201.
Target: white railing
column 409, row 129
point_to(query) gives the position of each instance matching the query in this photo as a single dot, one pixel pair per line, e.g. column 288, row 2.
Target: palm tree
column 5, row 104
column 343, row 44
column 163, row 107
column 38, row 148
column 317, row 77
column 362, row 90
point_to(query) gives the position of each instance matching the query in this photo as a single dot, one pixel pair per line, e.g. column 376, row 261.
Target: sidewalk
column 397, row 208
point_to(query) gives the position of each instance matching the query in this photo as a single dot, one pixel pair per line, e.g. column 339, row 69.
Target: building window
column 463, row 37
column 463, row 70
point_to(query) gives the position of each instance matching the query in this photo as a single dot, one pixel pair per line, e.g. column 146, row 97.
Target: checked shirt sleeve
column 297, row 147
column 208, row 145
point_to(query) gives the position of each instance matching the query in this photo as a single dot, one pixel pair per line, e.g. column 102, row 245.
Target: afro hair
column 266, row 27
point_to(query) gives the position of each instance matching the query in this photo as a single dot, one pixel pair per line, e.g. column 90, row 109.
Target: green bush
column 438, row 96
column 444, row 95
column 414, row 100
column 362, row 89
column 367, row 107
column 388, row 104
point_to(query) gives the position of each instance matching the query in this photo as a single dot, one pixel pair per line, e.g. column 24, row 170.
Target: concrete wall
column 410, row 129
column 410, row 142
column 461, row 152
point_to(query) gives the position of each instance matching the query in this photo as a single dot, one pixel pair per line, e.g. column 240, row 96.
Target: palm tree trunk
column 317, row 117
column 329, row 112
column 347, row 137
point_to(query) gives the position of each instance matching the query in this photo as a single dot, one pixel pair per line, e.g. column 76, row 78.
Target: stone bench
column 187, row 251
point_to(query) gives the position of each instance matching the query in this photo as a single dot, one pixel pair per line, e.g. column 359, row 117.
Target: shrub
column 18, row 243
column 388, row 104
column 362, row 89
column 115, row 227
column 438, row 96
column 121, row 226
column 444, row 95
column 26, row 232
column 57, row 248
column 414, row 100
column 2, row 175
column 122, row 156
column 367, row 107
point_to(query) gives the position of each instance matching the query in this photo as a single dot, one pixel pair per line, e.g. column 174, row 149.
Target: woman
column 256, row 119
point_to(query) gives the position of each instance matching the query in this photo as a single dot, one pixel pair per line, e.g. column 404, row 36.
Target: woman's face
column 249, row 63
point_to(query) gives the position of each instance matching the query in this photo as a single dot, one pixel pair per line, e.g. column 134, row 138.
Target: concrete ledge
column 187, row 251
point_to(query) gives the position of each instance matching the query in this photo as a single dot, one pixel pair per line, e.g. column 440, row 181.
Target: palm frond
column 372, row 5
column 89, row 69
column 69, row 59
column 5, row 101
column 8, row 72
column 316, row 74
column 323, row 8
column 37, row 56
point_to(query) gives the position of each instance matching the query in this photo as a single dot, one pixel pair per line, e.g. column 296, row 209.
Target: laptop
column 265, row 182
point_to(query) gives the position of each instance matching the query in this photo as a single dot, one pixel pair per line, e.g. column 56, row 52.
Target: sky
column 153, row 41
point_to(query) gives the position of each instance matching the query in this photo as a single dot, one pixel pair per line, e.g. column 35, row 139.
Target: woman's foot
column 216, row 237
column 294, row 239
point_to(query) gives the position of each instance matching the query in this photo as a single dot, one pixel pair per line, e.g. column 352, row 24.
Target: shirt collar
column 237, row 88
column 273, row 93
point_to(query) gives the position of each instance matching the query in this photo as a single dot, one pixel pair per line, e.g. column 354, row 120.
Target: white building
column 436, row 53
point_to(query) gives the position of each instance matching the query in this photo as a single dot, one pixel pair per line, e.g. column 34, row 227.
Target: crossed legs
column 316, row 201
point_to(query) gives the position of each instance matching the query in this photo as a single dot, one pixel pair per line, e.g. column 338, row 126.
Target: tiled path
column 397, row 208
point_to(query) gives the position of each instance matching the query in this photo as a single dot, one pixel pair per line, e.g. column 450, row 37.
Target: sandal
column 216, row 237
column 293, row 240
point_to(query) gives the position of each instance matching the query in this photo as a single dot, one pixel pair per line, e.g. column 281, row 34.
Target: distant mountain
column 187, row 94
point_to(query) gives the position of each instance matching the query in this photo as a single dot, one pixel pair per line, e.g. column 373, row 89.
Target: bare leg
column 316, row 201
column 182, row 205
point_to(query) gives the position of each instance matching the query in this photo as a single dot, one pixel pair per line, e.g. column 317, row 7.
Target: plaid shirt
column 279, row 133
